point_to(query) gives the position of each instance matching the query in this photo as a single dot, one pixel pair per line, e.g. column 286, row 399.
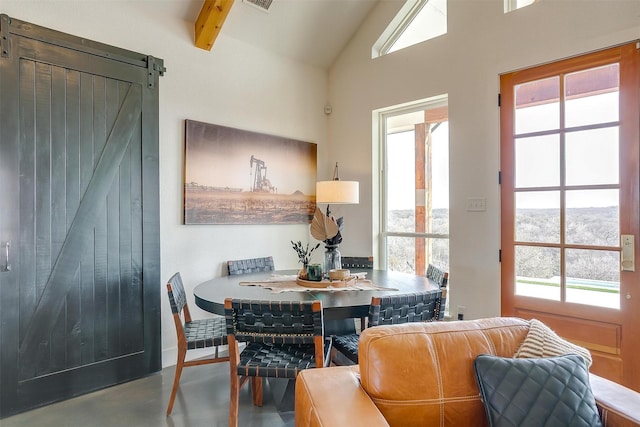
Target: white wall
column 234, row 85
column 482, row 42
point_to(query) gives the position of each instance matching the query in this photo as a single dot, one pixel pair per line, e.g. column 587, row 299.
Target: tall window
column 417, row 21
column 415, row 191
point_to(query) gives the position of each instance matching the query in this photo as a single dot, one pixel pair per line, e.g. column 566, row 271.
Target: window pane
column 592, row 157
column 592, row 96
column 429, row 22
column 537, row 105
column 401, row 177
column 537, row 161
column 538, row 216
column 593, row 277
column 401, row 253
column 538, row 272
column 440, row 179
column 593, row 217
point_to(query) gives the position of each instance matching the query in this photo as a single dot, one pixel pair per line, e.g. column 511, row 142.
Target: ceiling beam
column 209, row 22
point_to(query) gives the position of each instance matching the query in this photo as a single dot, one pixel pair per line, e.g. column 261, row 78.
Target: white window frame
column 380, row 118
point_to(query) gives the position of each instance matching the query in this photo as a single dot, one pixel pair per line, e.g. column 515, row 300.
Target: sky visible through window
column 401, row 169
column 591, row 156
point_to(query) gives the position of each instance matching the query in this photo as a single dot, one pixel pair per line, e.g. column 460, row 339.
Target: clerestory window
column 416, row 22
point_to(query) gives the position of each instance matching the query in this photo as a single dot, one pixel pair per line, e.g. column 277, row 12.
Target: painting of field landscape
column 234, row 176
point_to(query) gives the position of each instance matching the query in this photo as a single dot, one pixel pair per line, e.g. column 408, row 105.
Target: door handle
column 7, row 265
column 627, row 261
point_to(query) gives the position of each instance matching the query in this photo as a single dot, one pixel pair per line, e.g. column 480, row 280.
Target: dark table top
column 337, row 305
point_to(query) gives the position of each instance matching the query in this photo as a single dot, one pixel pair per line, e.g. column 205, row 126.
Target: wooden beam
column 210, row 20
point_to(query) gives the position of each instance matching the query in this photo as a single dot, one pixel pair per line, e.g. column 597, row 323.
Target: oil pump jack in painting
column 261, row 183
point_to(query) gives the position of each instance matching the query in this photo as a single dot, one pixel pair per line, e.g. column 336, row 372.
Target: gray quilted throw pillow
column 545, row 392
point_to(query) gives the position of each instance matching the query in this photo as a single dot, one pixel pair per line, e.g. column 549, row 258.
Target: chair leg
column 234, row 400
column 176, row 379
column 256, row 390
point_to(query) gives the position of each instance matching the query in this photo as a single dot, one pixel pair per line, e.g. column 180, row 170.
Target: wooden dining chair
column 250, row 265
column 392, row 310
column 192, row 334
column 441, row 278
column 282, row 338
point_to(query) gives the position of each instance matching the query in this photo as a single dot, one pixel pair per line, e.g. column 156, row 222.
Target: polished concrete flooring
column 202, row 400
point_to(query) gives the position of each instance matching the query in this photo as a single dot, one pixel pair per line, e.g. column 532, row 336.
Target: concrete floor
column 202, row 400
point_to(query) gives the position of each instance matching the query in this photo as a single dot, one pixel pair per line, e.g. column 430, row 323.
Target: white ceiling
column 309, row 31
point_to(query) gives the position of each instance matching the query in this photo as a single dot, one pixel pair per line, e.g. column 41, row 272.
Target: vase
column 332, row 258
column 302, row 273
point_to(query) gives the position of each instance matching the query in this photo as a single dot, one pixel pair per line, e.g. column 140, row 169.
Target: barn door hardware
column 154, row 65
column 5, row 21
column 7, row 265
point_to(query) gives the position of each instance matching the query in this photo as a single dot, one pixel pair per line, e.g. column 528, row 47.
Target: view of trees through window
column 417, row 189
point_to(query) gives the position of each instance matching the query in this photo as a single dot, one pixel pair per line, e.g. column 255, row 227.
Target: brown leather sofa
column 421, row 374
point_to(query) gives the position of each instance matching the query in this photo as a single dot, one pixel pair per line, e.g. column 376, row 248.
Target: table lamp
column 326, row 228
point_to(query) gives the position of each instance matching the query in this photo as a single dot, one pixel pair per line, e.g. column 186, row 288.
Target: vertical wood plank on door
column 100, row 230
column 133, row 295
column 114, row 324
column 87, row 165
column 42, row 189
column 73, row 342
column 58, row 360
column 26, row 273
column 129, row 339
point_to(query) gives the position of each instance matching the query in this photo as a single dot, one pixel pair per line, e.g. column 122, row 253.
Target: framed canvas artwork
column 234, row 176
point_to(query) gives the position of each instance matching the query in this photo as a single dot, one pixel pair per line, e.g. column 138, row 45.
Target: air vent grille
column 263, row 5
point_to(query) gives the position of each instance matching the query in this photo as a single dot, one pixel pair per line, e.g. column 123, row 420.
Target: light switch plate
column 476, row 204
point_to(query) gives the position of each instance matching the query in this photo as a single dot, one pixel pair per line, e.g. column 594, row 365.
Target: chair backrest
column 178, row 300
column 251, row 265
column 438, row 275
column 405, row 308
column 274, row 322
column 441, row 278
column 357, row 262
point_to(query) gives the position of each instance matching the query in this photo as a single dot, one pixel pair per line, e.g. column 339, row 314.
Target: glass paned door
column 567, row 187
column 570, row 193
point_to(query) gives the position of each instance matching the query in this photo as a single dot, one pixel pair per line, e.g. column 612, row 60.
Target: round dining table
column 338, row 305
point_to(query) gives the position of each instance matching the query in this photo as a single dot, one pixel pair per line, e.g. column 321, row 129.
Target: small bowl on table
column 339, row 274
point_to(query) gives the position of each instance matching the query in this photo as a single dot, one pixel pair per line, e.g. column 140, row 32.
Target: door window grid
column 568, row 181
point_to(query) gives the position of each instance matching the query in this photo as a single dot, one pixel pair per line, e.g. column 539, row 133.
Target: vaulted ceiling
column 309, row 31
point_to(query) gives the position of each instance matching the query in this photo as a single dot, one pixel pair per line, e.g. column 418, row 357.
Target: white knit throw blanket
column 541, row 341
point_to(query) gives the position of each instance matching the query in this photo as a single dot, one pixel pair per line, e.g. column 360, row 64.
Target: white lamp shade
column 335, row 192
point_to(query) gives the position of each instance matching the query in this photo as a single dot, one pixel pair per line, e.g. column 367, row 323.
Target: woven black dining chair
column 392, row 310
column 282, row 338
column 441, row 278
column 192, row 334
column 250, row 265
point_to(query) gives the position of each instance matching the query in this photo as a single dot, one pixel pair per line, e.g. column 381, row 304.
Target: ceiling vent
column 262, row 5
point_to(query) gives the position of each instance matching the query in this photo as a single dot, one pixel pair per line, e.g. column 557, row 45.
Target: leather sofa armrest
column 619, row 406
column 333, row 397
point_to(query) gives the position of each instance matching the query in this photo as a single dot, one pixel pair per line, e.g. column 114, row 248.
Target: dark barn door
column 79, row 229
